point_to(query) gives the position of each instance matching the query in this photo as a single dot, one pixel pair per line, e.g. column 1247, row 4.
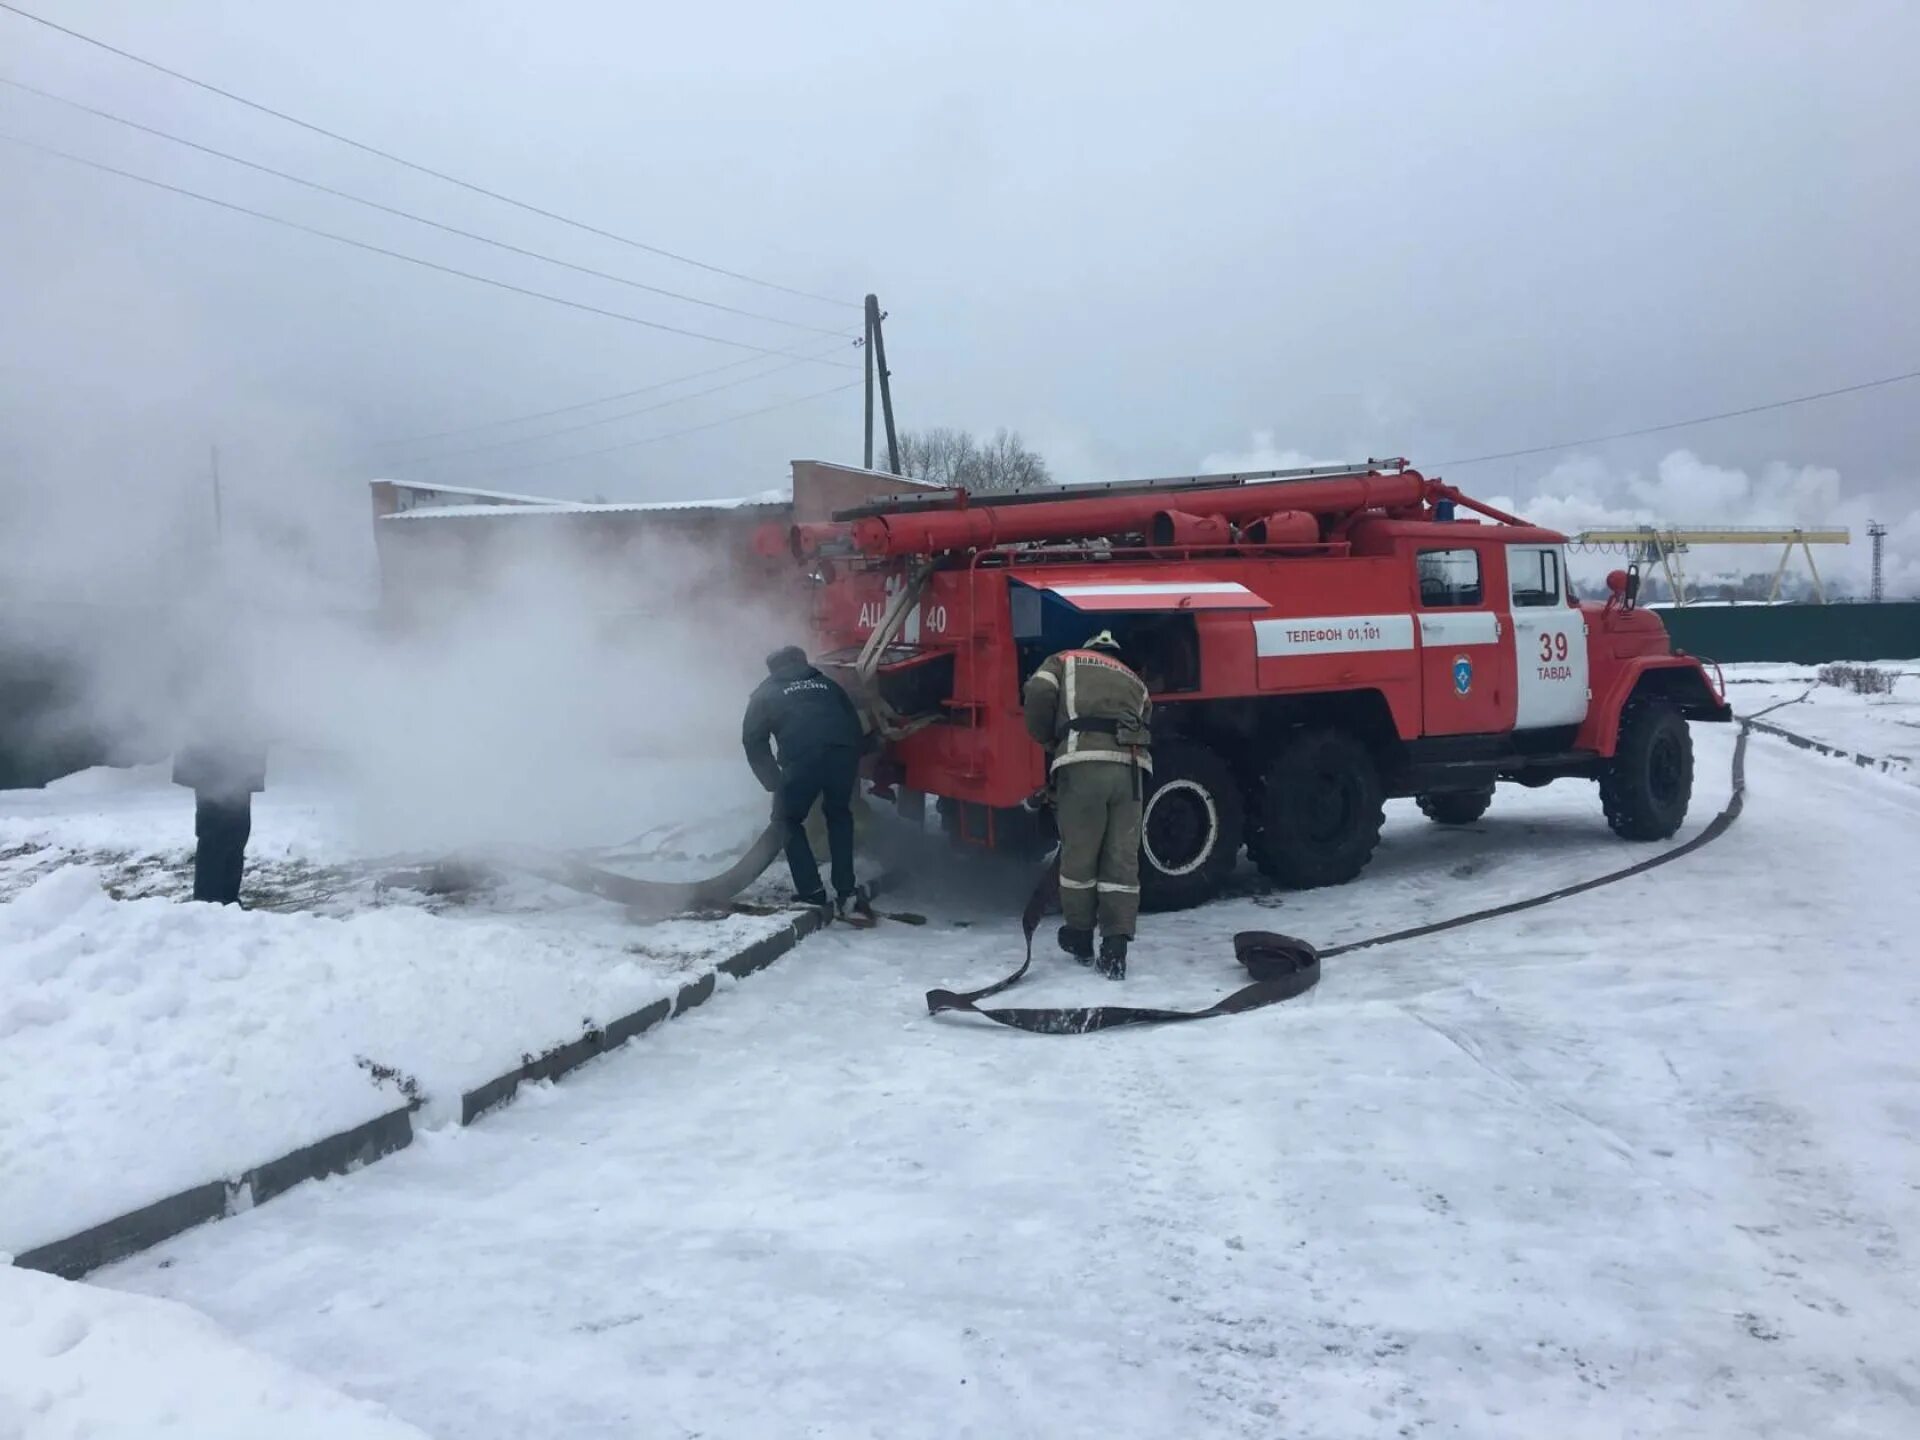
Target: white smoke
column 1684, row 491
column 561, row 695
column 542, row 692
column 1687, row 492
column 1263, row 454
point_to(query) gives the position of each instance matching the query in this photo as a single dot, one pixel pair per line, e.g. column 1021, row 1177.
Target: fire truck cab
column 1315, row 641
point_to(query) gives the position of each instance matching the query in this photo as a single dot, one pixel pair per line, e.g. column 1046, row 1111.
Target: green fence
column 1802, row 634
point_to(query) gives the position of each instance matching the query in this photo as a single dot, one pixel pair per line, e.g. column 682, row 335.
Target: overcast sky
column 1143, row 235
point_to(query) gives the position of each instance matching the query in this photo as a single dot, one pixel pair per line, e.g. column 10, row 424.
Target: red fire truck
column 1315, row 640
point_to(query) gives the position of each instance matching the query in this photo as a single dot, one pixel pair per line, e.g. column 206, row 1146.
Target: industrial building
column 436, row 542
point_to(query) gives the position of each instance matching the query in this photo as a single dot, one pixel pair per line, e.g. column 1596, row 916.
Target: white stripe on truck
column 1460, row 627
column 1332, row 634
column 1210, row 587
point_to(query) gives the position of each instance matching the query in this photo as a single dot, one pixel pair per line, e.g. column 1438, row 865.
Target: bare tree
column 939, row 456
column 954, row 458
column 1006, row 465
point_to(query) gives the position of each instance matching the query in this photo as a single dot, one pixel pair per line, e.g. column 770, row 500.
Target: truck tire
column 1455, row 807
column 1191, row 827
column 1321, row 810
column 1647, row 785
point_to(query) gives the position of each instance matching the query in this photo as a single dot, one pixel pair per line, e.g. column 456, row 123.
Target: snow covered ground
column 1645, row 1162
column 1884, row 726
column 80, row 1360
column 150, row 1045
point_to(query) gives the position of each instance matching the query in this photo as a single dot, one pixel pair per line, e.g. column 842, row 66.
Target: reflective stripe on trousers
column 1099, row 818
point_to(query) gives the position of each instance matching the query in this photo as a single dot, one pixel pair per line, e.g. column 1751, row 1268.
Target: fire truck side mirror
column 1624, row 586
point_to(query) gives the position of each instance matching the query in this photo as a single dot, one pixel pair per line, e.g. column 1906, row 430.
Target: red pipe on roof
column 980, row 527
column 1447, row 492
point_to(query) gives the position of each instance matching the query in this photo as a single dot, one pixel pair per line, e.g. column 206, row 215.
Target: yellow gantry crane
column 1654, row 543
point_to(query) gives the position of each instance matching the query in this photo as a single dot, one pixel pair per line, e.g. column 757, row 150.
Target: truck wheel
column 1645, row 788
column 1322, row 810
column 1190, row 829
column 1455, row 807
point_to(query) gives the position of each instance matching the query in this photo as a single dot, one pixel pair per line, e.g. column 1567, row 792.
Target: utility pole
column 877, row 361
column 867, row 345
column 1878, row 534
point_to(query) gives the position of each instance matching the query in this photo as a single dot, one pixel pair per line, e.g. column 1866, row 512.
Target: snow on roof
column 913, row 480
column 766, row 499
column 424, row 492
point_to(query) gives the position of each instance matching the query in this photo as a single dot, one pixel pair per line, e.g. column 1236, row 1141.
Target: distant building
column 438, row 542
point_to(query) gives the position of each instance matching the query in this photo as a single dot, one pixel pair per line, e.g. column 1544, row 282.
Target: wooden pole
column 886, row 386
column 873, row 309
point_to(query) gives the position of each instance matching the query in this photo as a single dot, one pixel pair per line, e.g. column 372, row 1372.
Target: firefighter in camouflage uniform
column 1091, row 713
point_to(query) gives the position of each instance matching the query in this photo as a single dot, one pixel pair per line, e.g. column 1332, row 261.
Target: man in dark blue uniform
column 817, row 731
column 224, row 776
column 220, row 752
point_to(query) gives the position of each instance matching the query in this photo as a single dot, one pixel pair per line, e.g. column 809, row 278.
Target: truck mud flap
column 1282, row 966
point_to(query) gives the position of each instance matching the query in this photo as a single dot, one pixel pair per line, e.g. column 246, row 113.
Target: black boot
column 1113, row 956
column 855, row 911
column 1077, row 943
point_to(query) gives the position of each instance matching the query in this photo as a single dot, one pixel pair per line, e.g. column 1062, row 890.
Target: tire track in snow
column 1154, row 1121
column 1514, row 1080
column 1246, row 1322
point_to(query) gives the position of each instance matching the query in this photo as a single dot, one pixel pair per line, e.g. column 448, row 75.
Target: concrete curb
column 355, row 1148
column 571, row 1056
column 1865, row 762
column 141, row 1229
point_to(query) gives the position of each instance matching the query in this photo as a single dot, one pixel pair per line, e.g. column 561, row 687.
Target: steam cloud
column 544, row 695
column 1685, row 491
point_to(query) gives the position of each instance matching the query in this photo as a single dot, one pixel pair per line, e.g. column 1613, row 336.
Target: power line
column 605, row 419
column 671, row 434
column 406, row 214
column 1682, row 424
column 413, row 165
column 394, row 254
column 393, row 441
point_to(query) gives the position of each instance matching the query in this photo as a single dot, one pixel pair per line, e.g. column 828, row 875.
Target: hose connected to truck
column 1282, row 966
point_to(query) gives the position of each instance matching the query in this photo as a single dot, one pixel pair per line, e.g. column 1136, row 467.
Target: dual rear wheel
column 1312, row 817
column 1316, row 817
column 1192, row 825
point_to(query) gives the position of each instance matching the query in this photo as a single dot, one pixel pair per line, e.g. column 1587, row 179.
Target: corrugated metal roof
column 766, row 500
column 422, row 493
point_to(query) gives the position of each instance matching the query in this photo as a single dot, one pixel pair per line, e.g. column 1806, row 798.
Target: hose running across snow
column 662, row 897
column 1282, row 965
column 653, row 897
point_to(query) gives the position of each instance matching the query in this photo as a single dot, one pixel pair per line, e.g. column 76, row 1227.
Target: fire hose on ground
column 1284, row 966
column 657, row 897
column 665, row 897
